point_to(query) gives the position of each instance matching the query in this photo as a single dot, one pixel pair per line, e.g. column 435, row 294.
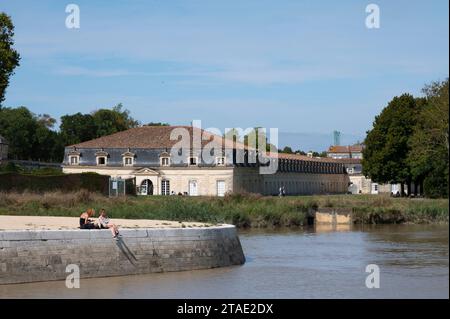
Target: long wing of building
column 166, row 160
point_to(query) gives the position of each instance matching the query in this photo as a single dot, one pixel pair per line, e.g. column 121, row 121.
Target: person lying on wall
column 86, row 222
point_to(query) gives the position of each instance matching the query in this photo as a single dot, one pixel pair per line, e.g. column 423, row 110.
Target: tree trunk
column 402, row 189
column 409, row 188
column 416, row 185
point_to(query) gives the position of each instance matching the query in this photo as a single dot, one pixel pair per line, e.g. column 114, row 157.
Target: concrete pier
column 43, row 255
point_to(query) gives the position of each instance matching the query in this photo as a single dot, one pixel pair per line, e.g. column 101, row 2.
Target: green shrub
column 14, row 182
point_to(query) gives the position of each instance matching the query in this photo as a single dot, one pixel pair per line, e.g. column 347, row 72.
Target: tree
column 387, row 144
column 80, row 127
column 300, row 152
column 256, row 137
column 429, row 156
column 113, row 121
column 77, row 128
column 157, row 124
column 287, row 150
column 47, row 144
column 28, row 136
column 18, row 127
column 232, row 135
column 46, row 120
column 321, row 154
column 9, row 57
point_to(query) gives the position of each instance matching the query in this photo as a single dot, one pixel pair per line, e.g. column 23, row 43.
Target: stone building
column 351, row 157
column 350, row 151
column 3, row 149
column 146, row 155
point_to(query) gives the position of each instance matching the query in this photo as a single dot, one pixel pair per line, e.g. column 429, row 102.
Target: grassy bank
column 241, row 210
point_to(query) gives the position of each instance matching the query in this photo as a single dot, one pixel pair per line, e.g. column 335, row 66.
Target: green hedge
column 64, row 183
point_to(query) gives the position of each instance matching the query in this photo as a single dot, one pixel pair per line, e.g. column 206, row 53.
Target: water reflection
column 324, row 228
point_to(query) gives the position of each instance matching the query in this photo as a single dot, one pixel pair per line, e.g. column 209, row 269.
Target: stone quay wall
column 43, row 255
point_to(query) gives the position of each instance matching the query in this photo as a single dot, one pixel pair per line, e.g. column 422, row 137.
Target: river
column 317, row 262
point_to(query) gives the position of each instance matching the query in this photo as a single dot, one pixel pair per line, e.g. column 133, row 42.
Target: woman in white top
column 104, row 223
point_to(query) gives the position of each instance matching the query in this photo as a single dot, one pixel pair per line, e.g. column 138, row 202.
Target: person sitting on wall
column 104, row 223
column 85, row 222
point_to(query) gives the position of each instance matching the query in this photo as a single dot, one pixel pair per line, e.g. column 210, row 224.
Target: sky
column 305, row 67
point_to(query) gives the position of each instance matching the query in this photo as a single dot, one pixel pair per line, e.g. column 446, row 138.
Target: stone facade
column 144, row 154
column 297, row 177
column 294, row 183
column 28, row 256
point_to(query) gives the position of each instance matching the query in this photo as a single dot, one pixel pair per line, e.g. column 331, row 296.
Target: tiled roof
column 345, row 149
column 149, row 137
column 159, row 137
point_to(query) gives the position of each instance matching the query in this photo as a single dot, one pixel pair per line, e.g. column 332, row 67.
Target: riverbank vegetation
column 242, row 210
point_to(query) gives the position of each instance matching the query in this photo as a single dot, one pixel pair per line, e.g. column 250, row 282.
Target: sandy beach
column 55, row 223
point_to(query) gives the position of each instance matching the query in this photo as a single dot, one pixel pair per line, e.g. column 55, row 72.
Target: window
column 165, row 161
column 165, row 187
column 101, row 160
column 221, row 188
column 128, row 161
column 73, row 160
column 220, row 161
column 193, row 188
column 192, row 161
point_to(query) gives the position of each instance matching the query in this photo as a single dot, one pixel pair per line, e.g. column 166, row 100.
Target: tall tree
column 80, row 127
column 9, row 57
column 28, row 136
column 429, row 156
column 387, row 144
column 113, row 121
column 77, row 128
column 18, row 127
column 256, row 138
column 287, row 150
column 232, row 135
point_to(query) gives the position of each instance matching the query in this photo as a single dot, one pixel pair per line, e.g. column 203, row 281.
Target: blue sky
column 305, row 67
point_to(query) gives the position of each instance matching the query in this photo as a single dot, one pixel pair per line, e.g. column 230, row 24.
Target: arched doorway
column 146, row 187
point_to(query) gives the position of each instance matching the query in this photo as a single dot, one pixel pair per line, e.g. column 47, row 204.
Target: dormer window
column 128, row 161
column 220, row 161
column 192, row 161
column 74, row 159
column 164, row 159
column 101, row 158
column 128, row 158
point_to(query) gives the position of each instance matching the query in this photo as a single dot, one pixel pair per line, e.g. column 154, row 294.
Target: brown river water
column 318, row 262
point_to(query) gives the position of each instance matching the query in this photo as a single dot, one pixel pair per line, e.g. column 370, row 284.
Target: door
column 165, row 187
column 221, row 188
column 374, row 188
column 193, row 188
column 146, row 187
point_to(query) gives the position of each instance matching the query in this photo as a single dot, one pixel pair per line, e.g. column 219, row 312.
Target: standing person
column 280, row 191
column 104, row 223
column 86, row 222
